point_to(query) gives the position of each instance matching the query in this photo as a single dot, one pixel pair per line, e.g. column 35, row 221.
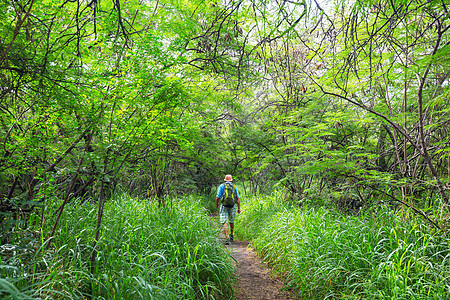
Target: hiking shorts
column 227, row 213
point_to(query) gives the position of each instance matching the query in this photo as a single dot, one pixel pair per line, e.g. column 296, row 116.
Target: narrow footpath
column 254, row 279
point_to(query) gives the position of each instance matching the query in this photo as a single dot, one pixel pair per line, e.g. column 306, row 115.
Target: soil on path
column 254, row 279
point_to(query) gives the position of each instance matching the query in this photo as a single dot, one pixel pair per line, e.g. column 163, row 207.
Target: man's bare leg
column 225, row 230
column 231, row 232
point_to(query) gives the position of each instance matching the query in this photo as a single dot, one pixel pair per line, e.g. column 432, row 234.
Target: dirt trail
column 254, row 278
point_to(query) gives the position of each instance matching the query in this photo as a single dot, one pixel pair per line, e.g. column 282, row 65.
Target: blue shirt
column 221, row 189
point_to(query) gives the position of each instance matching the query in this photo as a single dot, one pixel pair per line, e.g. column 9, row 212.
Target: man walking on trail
column 228, row 192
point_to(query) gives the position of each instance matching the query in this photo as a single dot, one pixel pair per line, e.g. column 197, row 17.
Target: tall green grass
column 145, row 252
column 325, row 255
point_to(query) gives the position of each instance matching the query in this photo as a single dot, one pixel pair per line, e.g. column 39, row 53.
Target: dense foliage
column 149, row 95
column 145, row 253
column 324, row 255
column 339, row 105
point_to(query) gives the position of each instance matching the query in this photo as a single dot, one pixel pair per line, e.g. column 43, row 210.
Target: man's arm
column 238, row 200
column 219, row 194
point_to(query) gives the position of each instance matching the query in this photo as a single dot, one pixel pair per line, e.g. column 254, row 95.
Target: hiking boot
column 231, row 238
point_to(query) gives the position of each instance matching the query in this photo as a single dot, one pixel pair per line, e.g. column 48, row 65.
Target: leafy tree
column 351, row 102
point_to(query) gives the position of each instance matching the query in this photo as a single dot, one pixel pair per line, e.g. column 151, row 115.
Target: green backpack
column 229, row 197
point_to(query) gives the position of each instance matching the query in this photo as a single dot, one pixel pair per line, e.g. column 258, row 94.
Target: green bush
column 145, row 252
column 322, row 254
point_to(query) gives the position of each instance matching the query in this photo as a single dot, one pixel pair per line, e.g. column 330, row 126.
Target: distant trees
column 358, row 103
column 161, row 97
column 97, row 95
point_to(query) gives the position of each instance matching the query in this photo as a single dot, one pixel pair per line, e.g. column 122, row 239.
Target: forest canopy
column 343, row 104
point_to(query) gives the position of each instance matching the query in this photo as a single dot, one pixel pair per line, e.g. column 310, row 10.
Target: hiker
column 228, row 192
